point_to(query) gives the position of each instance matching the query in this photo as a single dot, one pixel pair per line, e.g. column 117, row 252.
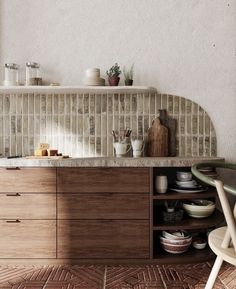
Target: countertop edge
column 108, row 162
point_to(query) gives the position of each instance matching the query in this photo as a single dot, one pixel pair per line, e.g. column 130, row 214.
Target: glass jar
column 32, row 74
column 11, row 74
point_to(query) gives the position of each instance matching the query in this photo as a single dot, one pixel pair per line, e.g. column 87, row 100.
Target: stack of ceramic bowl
column 209, row 172
column 93, row 77
column 184, row 180
column 199, row 208
column 175, row 242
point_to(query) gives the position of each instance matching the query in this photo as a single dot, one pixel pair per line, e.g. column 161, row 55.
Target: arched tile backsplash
column 80, row 124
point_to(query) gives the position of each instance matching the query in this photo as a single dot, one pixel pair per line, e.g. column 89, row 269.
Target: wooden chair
column 222, row 240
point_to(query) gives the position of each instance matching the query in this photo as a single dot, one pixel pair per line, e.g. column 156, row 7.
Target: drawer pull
column 13, row 221
column 13, row 195
column 13, row 169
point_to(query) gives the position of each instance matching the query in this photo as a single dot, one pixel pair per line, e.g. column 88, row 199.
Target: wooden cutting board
column 171, row 124
column 157, row 144
column 45, row 157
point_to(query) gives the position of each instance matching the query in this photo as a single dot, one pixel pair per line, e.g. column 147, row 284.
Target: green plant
column 114, row 71
column 128, row 74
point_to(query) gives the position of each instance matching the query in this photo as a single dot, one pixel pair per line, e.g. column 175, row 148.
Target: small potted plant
column 113, row 75
column 128, row 74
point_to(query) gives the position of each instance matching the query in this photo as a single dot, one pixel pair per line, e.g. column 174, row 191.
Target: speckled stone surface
column 107, row 162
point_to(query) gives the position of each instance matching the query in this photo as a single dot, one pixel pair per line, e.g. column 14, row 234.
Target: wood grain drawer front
column 103, row 206
column 87, row 180
column 103, row 239
column 27, row 206
column 28, row 239
column 28, row 180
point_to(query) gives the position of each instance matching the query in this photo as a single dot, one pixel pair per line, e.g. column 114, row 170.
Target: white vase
column 161, row 184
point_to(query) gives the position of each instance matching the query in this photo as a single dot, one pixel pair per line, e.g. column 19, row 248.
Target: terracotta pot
column 113, row 80
column 128, row 82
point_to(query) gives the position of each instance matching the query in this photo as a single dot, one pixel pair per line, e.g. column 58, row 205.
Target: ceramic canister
column 161, row 184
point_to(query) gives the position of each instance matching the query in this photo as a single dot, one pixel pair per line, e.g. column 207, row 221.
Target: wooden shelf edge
column 181, row 196
column 191, row 256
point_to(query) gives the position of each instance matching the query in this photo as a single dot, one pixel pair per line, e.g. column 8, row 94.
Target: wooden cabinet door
column 28, row 180
column 27, row 206
column 87, row 180
column 28, row 239
column 103, row 239
column 103, row 206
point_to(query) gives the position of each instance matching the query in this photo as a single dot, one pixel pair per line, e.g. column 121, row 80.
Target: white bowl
column 184, row 176
column 176, row 241
column 176, row 235
column 187, row 184
column 199, row 245
column 202, row 211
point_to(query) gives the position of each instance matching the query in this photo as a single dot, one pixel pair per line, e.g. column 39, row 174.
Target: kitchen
column 78, row 120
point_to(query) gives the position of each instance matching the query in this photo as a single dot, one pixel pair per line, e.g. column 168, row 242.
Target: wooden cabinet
column 28, row 213
column 27, row 180
column 95, row 180
column 27, row 206
column 103, row 213
column 113, row 239
column 27, row 239
column 103, row 206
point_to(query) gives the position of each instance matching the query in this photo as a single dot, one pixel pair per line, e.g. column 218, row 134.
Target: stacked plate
column 185, row 184
column 93, row 77
column 209, row 172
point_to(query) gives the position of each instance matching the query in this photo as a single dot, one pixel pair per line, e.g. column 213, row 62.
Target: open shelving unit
column 196, row 225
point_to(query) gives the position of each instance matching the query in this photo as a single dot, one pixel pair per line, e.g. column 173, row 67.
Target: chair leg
column 214, row 272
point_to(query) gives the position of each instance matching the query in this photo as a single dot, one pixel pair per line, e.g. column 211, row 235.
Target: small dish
column 199, row 244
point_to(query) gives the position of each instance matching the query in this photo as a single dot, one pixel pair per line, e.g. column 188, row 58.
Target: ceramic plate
column 197, row 189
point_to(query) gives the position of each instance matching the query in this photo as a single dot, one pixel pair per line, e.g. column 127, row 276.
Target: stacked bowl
column 93, row 77
column 199, row 208
column 175, row 242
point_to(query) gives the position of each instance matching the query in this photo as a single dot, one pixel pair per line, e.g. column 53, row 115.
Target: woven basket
column 171, row 217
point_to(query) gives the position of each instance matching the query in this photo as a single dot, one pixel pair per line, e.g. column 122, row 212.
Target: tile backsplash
column 80, row 124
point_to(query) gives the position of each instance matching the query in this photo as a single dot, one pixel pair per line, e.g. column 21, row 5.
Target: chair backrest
column 230, row 215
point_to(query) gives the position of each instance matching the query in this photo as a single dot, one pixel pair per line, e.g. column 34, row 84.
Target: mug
column 161, row 184
column 138, row 147
column 121, row 148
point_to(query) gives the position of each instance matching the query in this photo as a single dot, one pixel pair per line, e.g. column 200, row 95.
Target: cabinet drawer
column 28, row 180
column 103, row 206
column 28, row 239
column 103, row 239
column 87, row 180
column 27, row 206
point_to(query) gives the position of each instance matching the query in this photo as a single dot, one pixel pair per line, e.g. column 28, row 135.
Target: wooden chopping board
column 157, row 144
column 171, row 124
column 45, row 157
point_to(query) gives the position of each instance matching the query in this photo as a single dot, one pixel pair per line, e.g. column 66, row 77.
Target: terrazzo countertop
column 107, row 162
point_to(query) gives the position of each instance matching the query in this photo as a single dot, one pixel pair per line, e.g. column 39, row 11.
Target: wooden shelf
column 193, row 223
column 170, row 195
column 191, row 256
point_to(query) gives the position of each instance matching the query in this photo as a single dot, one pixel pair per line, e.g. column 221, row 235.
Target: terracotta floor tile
column 189, row 276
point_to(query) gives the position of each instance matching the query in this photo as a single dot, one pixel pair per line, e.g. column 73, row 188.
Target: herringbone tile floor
column 191, row 276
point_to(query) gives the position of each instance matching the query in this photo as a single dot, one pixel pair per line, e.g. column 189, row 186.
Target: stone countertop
column 107, row 162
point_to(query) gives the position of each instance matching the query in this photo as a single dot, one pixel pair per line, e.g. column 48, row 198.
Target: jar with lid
column 11, row 74
column 32, row 74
